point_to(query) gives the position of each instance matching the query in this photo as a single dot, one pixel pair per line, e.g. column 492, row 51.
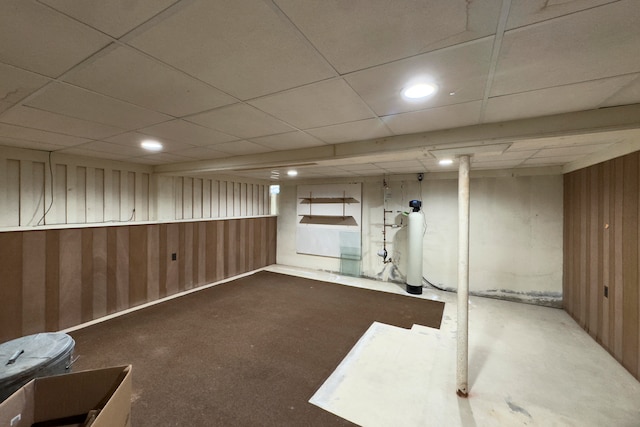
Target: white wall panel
column 58, row 212
column 31, row 192
column 90, row 195
column 223, row 199
column 179, row 200
column 215, row 199
column 143, row 186
column 206, row 198
column 97, row 212
column 13, row 192
column 81, row 195
column 76, row 190
column 197, row 198
column 187, row 198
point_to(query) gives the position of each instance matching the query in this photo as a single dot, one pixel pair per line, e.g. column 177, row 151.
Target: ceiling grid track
column 497, row 44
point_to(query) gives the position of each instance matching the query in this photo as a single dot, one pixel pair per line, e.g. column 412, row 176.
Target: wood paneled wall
column 601, row 254
column 55, row 279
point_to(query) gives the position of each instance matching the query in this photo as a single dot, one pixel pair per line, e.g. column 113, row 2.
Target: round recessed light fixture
column 419, row 91
column 445, row 162
column 292, row 172
column 151, row 145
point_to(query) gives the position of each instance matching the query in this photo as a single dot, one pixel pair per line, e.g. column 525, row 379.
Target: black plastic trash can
column 26, row 358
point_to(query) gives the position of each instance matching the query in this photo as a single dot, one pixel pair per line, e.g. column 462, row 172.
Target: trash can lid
column 23, row 356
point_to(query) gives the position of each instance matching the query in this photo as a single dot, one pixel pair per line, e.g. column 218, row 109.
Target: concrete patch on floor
column 377, row 381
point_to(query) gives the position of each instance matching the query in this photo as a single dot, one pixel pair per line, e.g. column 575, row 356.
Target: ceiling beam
column 568, row 124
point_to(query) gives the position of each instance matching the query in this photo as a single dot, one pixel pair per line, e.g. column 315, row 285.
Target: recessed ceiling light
column 151, row 145
column 445, row 162
column 292, row 172
column 418, row 91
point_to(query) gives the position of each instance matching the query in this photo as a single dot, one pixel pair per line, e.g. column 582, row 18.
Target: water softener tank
column 414, row 246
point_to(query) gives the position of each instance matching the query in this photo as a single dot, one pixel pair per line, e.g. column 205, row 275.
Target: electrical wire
column 425, row 280
column 43, row 221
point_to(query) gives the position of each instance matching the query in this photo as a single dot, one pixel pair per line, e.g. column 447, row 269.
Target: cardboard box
column 68, row 399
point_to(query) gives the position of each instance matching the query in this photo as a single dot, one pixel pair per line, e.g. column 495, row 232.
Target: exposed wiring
column 43, row 221
column 425, row 280
column 133, row 215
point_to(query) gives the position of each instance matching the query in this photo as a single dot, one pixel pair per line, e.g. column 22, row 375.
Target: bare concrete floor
column 528, row 365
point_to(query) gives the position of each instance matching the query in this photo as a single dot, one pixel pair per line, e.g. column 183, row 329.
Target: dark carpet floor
column 250, row 352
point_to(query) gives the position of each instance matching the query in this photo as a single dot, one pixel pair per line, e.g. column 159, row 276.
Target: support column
column 463, row 278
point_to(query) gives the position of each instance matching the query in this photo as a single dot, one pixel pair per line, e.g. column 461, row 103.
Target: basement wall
column 515, row 232
column 77, row 190
column 92, row 255
column 58, row 278
column 602, row 254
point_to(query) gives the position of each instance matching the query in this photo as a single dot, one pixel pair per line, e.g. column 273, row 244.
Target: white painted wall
column 515, row 232
column 78, row 190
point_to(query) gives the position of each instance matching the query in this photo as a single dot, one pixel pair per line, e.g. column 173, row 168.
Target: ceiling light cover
column 445, row 162
column 151, row 145
column 419, row 91
column 292, row 173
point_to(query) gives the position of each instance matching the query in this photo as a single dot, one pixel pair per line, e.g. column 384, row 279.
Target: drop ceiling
column 243, row 87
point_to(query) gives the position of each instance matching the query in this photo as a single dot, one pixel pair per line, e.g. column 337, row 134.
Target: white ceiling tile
column 131, row 76
column 556, row 100
column 5, row 106
column 510, row 155
column 250, row 49
column 570, row 151
column 161, row 159
column 31, row 145
column 15, row 84
column 446, row 117
column 462, row 69
column 351, row 131
column 496, row 164
column 404, row 166
column 28, row 134
column 45, row 120
column 582, row 46
column 113, row 148
column 36, row 38
column 431, row 164
column 114, row 17
column 82, row 104
column 362, row 167
column 241, row 120
column 362, row 33
column 331, row 171
column 525, row 12
column 629, row 94
column 240, row 148
column 202, row 153
column 134, row 139
column 191, row 133
column 598, row 138
column 316, row 105
column 76, row 151
column 288, row 141
column 369, row 172
column 549, row 161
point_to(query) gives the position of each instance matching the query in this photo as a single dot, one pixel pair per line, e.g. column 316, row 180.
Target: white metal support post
column 463, row 278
